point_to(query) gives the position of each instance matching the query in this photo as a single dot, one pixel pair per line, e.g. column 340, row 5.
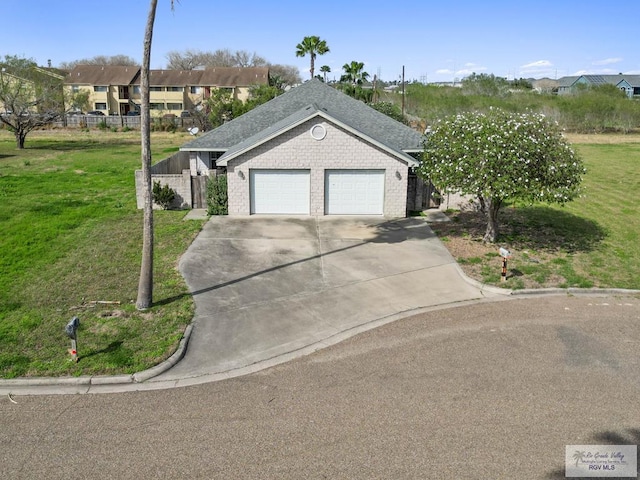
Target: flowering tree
column 501, row 156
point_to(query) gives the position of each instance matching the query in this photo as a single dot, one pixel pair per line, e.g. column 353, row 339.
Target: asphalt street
column 486, row 391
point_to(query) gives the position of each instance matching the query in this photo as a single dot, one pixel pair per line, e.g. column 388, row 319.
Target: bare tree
column 287, row 74
column 245, row 59
column 123, row 60
column 31, row 97
column 187, row 60
column 191, row 59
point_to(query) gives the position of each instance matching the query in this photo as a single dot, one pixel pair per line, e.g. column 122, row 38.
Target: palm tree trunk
column 145, row 283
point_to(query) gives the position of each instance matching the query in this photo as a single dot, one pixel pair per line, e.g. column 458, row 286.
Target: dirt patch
column 542, row 244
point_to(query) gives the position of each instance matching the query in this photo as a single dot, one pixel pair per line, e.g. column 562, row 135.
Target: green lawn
column 610, row 200
column 590, row 242
column 71, row 235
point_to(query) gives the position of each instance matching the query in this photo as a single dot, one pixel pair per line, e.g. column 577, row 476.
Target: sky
column 434, row 41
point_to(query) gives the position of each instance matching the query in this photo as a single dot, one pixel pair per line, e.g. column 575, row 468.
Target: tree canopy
column 485, row 84
column 312, row 46
column 500, row 156
column 354, row 73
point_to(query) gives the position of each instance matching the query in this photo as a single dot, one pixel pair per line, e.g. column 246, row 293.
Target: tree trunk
column 483, row 207
column 20, row 138
column 493, row 208
column 145, row 283
column 312, row 69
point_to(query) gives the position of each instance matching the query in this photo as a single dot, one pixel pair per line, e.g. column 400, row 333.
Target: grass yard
column 590, row 242
column 71, row 236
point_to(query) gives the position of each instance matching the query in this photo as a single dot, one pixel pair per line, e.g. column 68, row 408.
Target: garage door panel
column 354, row 192
column 280, row 192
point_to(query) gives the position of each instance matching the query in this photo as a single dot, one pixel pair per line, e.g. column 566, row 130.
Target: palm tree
column 145, row 283
column 353, row 73
column 325, row 69
column 312, row 46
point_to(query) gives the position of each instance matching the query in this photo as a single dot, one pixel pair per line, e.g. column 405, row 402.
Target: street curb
column 145, row 375
column 169, row 362
column 88, row 381
column 575, row 291
column 544, row 291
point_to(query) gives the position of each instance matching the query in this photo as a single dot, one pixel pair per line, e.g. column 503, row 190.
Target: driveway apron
column 269, row 286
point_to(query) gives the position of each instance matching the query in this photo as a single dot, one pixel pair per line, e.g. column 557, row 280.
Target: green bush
column 587, row 110
column 102, row 125
column 391, row 110
column 217, row 195
column 163, row 195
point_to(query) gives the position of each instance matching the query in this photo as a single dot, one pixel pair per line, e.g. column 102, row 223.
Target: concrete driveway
column 268, row 289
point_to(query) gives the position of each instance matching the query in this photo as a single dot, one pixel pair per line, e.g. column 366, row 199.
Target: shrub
column 391, row 110
column 217, row 195
column 163, row 195
column 102, row 125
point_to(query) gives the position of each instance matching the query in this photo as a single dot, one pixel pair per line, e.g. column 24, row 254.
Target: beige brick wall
column 296, row 149
column 181, row 183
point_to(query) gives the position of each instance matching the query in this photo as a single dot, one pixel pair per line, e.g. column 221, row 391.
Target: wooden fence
column 119, row 121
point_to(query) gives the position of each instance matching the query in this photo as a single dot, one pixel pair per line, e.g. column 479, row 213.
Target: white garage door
column 280, row 191
column 354, row 192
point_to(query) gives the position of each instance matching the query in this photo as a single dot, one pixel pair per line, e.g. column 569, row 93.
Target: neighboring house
column 630, row 84
column 21, row 91
column 110, row 87
column 311, row 151
column 115, row 90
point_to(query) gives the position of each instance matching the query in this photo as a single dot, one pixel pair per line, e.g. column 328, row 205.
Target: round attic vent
column 318, row 132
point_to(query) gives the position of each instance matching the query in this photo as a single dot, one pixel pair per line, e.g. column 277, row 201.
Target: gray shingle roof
column 633, row 80
column 312, row 97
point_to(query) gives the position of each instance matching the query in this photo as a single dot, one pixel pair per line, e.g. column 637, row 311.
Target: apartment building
column 115, row 90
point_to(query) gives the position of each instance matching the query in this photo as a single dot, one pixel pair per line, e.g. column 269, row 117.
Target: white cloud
column 599, row 71
column 607, row 61
column 444, row 71
column 537, row 64
column 538, row 69
column 468, row 71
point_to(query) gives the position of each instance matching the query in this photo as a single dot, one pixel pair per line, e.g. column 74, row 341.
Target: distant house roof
column 213, row 77
column 102, row 75
column 312, row 98
column 632, row 80
column 129, row 75
column 567, row 81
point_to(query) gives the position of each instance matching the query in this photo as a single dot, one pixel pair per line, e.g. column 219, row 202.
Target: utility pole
column 403, row 90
